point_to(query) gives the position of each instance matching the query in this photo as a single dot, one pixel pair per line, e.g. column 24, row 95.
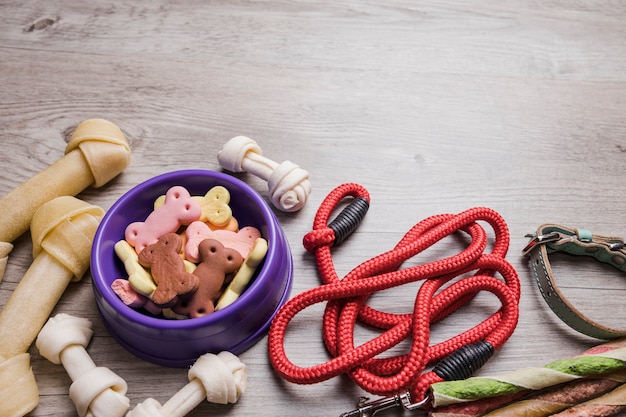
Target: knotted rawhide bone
column 5, row 250
column 96, row 153
column 600, row 360
column 62, row 232
column 288, row 184
column 220, row 379
column 95, row 390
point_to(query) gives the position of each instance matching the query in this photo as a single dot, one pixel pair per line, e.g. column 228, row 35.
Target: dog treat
column 242, row 241
column 62, row 233
column 605, row 405
column 217, row 378
column 288, row 184
column 140, row 278
column 178, row 209
column 5, row 250
column 244, row 274
column 541, row 404
column 168, row 270
column 96, row 391
column 214, row 205
column 215, row 262
column 18, row 388
column 215, row 208
column 600, row 360
column 122, row 288
column 96, row 153
column 546, row 403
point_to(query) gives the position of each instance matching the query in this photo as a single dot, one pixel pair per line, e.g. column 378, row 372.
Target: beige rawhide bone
column 217, row 378
column 5, row 250
column 62, row 232
column 288, row 184
column 96, row 152
column 96, row 391
column 18, row 389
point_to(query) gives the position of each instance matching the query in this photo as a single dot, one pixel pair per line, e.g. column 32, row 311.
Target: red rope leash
column 346, row 303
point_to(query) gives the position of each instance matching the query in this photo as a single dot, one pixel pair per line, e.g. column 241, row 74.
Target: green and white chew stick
column 602, row 359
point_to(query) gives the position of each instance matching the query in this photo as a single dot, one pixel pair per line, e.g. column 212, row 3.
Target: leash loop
column 446, row 285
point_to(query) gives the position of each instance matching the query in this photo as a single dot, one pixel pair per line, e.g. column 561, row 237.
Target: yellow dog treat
column 138, row 276
column 96, row 153
column 244, row 274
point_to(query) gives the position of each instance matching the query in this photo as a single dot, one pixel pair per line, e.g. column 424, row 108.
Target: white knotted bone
column 288, row 184
column 219, row 378
column 96, row 391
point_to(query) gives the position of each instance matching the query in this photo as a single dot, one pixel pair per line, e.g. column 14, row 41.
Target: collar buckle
column 540, row 240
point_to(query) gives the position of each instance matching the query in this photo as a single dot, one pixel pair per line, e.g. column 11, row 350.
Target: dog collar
column 551, row 238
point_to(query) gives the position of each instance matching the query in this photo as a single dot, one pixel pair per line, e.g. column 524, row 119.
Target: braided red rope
column 346, row 301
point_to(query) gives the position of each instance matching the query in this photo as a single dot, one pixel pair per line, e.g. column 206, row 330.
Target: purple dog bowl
column 235, row 328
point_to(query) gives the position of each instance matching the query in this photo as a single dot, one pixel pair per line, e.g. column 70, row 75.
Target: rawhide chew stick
column 96, row 391
column 541, row 404
column 600, row 360
column 605, row 405
column 217, row 378
column 288, row 184
column 96, row 152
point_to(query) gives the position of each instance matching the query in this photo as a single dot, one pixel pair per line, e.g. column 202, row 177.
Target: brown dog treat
column 168, row 270
column 216, row 262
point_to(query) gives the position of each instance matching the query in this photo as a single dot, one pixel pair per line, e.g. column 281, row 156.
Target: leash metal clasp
column 371, row 408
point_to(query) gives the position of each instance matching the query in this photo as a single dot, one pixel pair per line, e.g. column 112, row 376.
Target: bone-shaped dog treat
column 168, row 270
column 140, row 278
column 178, row 209
column 244, row 274
column 215, row 262
column 96, row 391
column 62, row 232
column 96, row 152
column 217, row 378
column 214, row 205
column 241, row 240
column 288, row 184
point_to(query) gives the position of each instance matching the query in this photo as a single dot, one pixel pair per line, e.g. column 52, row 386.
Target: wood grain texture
column 434, row 107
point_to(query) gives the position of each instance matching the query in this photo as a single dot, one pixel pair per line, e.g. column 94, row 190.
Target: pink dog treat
column 178, row 209
column 122, row 288
column 241, row 241
column 168, row 270
column 216, row 262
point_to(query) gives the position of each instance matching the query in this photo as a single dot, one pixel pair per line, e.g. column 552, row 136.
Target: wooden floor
column 433, row 106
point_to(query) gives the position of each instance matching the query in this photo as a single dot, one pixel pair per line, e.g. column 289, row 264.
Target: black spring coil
column 462, row 363
column 349, row 219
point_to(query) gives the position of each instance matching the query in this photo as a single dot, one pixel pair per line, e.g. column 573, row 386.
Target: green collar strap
column 551, row 238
